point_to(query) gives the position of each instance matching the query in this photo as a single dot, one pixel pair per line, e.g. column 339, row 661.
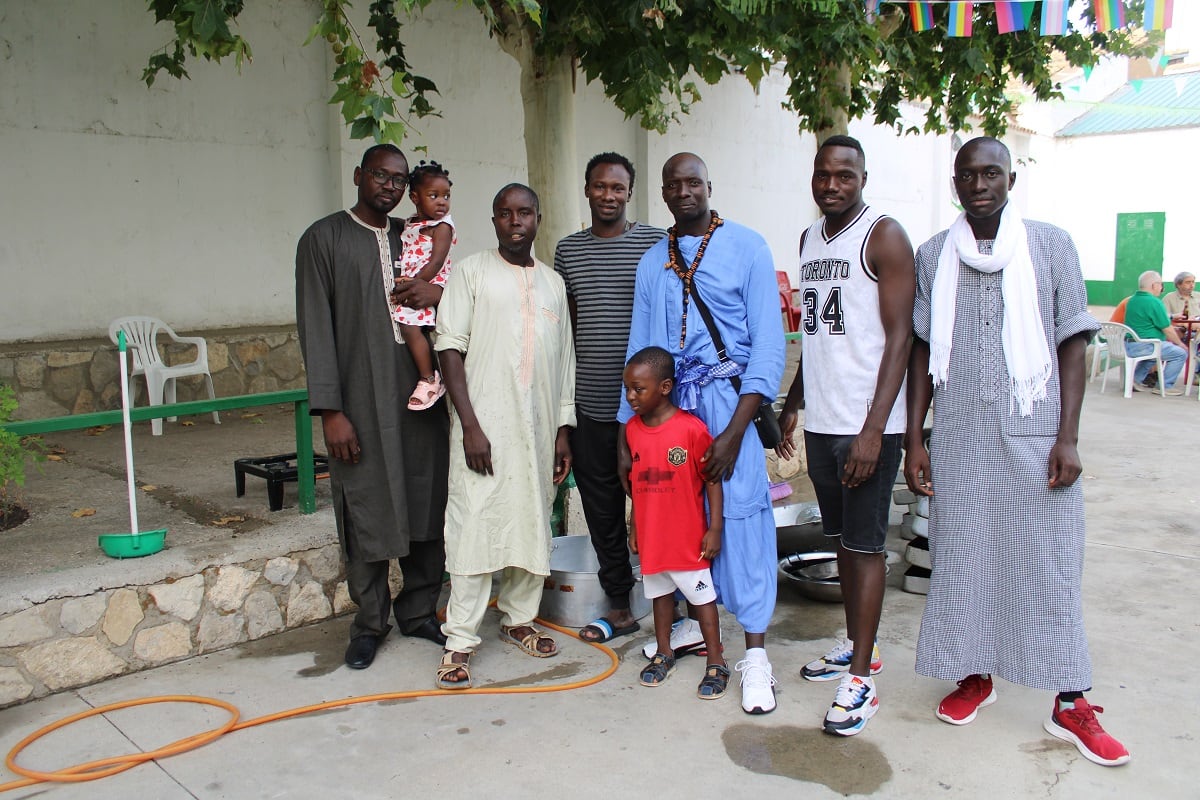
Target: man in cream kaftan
column 512, row 325
column 504, row 334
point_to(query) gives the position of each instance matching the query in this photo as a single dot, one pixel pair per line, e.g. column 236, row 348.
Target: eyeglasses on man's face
column 399, row 180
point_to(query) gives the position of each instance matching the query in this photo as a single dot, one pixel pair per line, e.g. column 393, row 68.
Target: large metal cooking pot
column 798, row 527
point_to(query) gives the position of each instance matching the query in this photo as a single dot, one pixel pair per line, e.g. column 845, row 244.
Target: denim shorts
column 859, row 515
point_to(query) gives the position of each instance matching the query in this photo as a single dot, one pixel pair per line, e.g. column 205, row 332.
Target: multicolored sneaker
column 1079, row 726
column 836, row 662
column 855, row 703
column 960, row 706
column 686, row 639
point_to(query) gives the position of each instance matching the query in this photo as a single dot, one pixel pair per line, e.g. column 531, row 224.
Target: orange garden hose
column 104, row 767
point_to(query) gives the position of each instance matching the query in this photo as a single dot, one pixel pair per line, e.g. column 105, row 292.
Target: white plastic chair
column 141, row 334
column 1115, row 335
column 1099, row 350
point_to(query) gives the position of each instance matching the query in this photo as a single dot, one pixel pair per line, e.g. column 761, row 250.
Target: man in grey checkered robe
column 1006, row 532
column 1007, row 550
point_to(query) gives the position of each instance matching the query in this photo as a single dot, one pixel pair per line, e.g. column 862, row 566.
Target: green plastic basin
column 128, row 545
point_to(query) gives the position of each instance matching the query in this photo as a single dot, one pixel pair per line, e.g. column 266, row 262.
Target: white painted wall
column 1082, row 183
column 185, row 201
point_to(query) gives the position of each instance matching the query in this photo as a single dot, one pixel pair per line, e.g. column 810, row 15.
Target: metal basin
column 815, row 575
column 810, row 566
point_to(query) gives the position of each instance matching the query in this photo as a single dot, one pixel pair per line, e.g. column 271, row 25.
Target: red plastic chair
column 787, row 302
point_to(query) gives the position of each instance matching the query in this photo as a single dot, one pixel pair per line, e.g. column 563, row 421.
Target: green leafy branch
column 370, row 92
column 201, row 29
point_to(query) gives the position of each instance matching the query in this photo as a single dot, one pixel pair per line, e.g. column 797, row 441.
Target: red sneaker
column 960, row 706
column 1079, row 726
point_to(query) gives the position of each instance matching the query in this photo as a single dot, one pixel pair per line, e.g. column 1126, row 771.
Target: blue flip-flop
column 607, row 631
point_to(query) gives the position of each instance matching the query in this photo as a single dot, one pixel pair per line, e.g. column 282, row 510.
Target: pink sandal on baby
column 426, row 393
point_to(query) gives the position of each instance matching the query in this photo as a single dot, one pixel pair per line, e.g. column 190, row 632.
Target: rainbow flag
column 959, row 22
column 1009, row 17
column 1158, row 14
column 922, row 16
column 1110, row 14
column 872, row 10
column 1054, row 18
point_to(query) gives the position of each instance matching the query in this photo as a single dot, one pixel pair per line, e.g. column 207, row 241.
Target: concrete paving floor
column 1143, row 553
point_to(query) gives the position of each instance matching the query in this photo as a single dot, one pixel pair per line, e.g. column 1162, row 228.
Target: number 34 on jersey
column 830, row 314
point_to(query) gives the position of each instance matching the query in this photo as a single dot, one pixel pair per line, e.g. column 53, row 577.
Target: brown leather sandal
column 449, row 666
column 528, row 643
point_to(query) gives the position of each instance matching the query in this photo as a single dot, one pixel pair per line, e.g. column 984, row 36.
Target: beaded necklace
column 676, row 263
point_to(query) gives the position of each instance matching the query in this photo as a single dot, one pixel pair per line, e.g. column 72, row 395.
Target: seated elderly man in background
column 1185, row 303
column 1147, row 316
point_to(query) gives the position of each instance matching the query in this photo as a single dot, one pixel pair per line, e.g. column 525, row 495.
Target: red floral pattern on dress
column 418, row 247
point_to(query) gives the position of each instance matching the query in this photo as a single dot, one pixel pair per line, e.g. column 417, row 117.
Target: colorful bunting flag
column 1027, row 10
column 1019, row 15
column 1158, row 14
column 1054, row 18
column 922, row 16
column 959, row 23
column 1009, row 17
column 1110, row 14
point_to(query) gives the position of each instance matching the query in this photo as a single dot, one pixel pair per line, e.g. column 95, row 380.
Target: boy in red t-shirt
column 669, row 528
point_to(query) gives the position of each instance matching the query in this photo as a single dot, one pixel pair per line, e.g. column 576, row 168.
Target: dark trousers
column 367, row 582
column 594, row 449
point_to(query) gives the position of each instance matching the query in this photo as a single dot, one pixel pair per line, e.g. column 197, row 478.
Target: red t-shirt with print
column 668, row 491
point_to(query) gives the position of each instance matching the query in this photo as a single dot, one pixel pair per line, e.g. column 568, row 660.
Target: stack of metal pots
column 914, row 526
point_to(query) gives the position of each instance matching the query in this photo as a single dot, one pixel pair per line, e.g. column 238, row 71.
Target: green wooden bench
column 298, row 397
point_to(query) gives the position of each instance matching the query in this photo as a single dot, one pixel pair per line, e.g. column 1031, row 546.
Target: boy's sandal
column 530, row 641
column 426, row 393
column 658, row 669
column 712, row 685
column 448, row 667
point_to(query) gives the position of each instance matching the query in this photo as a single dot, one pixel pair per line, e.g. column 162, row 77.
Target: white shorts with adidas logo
column 695, row 585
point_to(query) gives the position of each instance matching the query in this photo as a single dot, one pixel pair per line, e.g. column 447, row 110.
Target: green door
column 1139, row 248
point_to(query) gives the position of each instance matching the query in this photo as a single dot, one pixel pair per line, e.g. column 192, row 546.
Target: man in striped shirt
column 598, row 265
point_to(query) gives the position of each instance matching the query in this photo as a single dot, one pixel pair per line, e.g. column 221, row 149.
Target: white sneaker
column 685, row 638
column 855, row 703
column 758, row 686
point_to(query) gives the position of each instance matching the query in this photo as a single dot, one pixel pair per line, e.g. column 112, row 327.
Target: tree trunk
column 548, row 100
column 839, row 75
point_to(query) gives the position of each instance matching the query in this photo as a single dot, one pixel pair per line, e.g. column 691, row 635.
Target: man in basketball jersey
column 857, row 284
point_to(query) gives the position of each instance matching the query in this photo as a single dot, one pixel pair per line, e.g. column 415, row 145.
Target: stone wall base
column 64, row 643
column 52, row 379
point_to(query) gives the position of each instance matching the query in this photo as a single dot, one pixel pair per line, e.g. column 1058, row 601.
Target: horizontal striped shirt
column 599, row 274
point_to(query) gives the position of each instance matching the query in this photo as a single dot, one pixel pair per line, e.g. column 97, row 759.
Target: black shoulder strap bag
column 765, row 421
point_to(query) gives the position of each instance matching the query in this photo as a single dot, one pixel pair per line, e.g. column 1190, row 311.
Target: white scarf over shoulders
column 1026, row 353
